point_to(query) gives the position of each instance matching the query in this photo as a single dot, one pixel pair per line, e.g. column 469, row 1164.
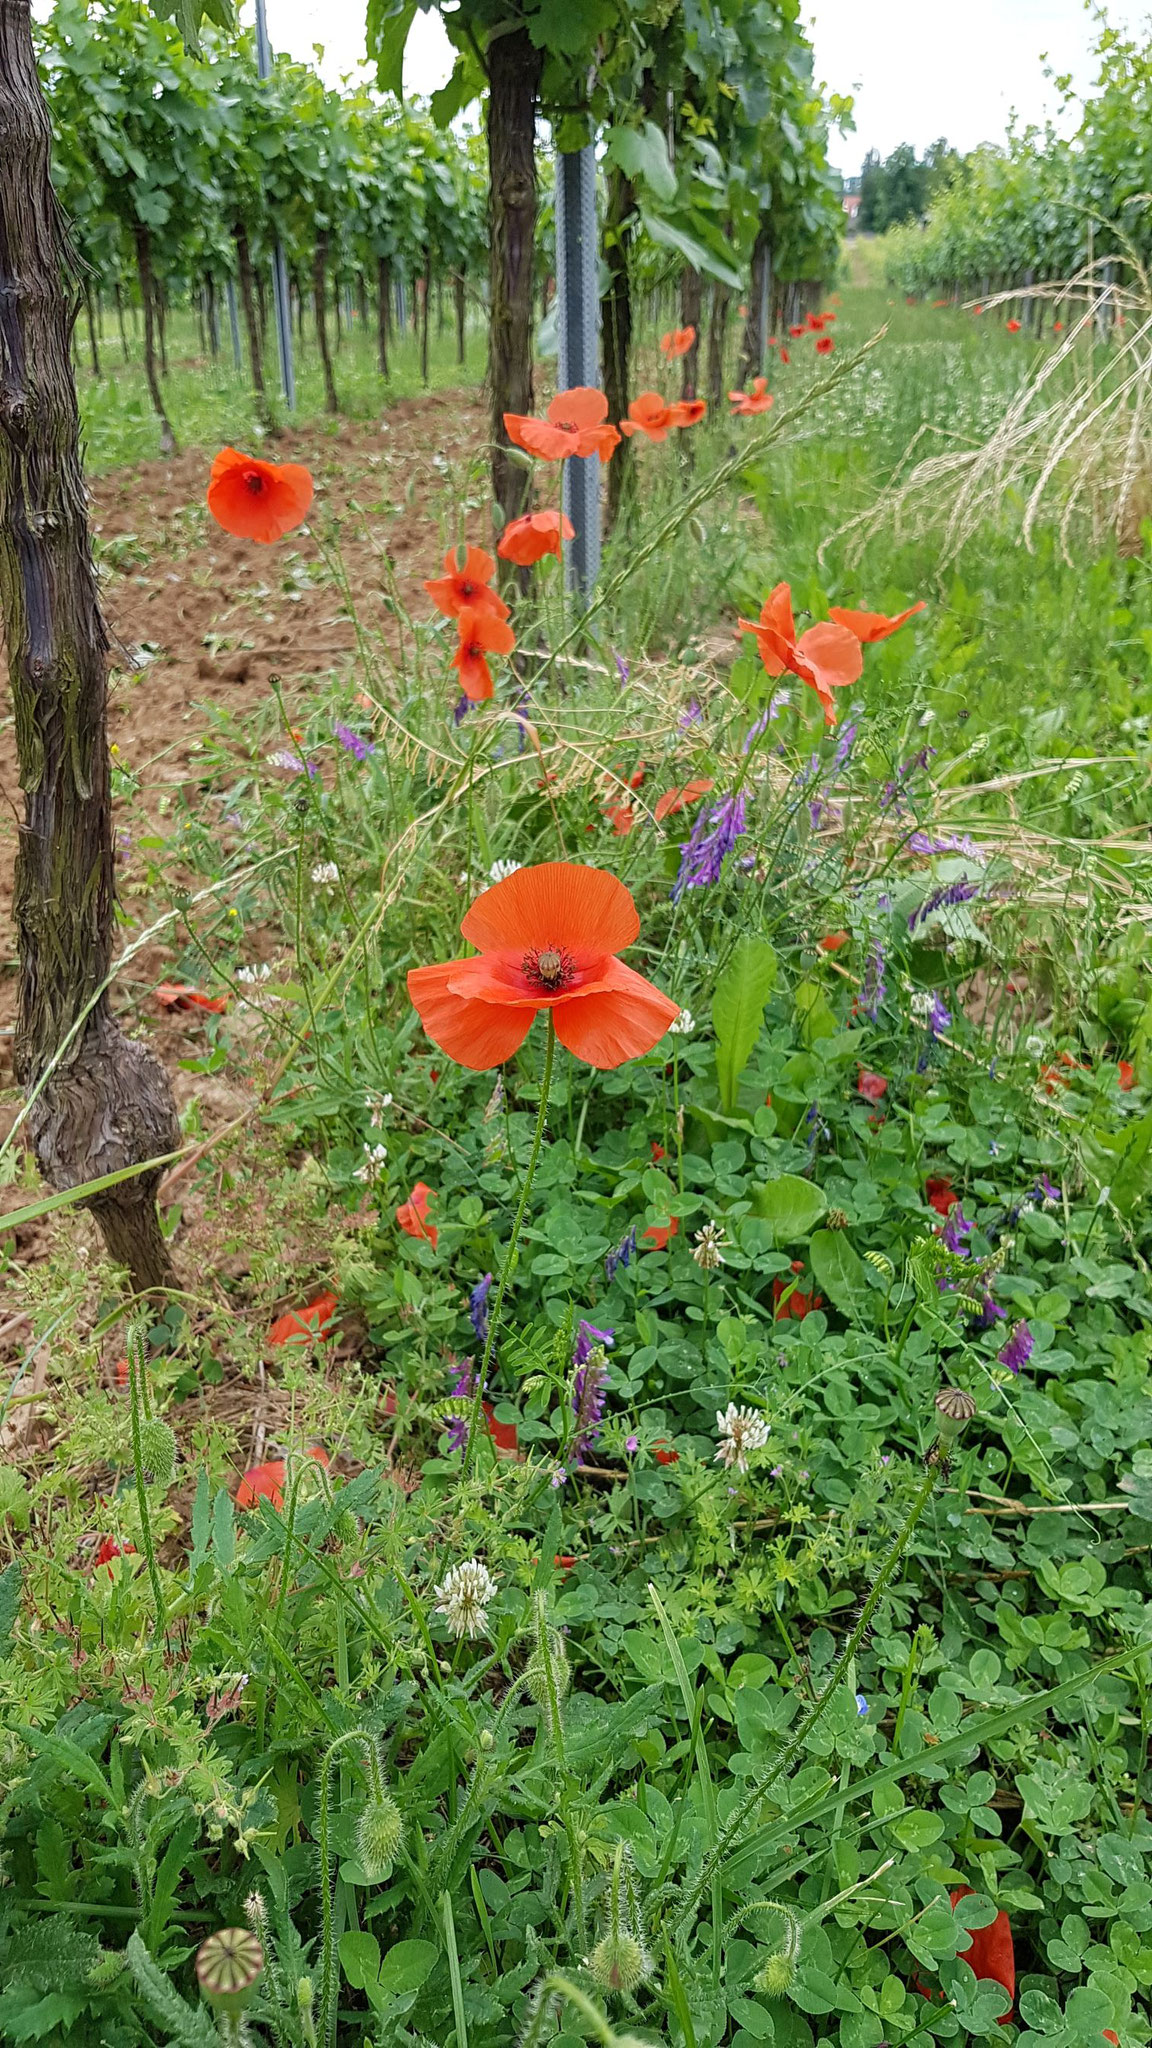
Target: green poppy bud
column 777, row 1976
column 158, row 1451
column 379, row 1833
column 618, row 1963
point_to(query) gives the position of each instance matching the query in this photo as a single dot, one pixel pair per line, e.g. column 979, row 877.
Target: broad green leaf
column 842, row 1275
column 9, row 1602
column 792, row 1206
column 738, row 1012
column 387, row 31
column 406, row 1965
column 813, row 1014
column 223, row 1530
column 642, row 153
column 360, row 1960
column 669, row 232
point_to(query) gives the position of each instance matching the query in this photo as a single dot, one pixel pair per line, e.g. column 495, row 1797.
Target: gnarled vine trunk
column 148, row 299
column 102, row 1101
column 754, row 342
column 514, row 68
column 319, row 290
column 383, row 287
column 251, row 322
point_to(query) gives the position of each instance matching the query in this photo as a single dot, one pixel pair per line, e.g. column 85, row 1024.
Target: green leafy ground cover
column 746, row 1704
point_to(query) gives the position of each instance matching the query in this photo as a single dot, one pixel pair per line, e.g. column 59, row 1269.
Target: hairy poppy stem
column 791, row 1750
column 506, row 1270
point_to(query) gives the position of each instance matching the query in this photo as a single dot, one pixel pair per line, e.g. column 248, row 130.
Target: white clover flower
column 251, row 975
column 921, row 1005
column 1034, row 1046
column 325, row 873
column 707, row 1248
column 463, row 1597
column 926, row 717
column 375, row 1161
column 683, row 1026
column 741, row 1431
column 501, row 869
column 377, row 1104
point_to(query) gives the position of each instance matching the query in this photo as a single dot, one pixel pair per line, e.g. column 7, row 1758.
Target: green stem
column 513, row 1243
column 327, row 1936
column 789, row 1754
column 135, row 1390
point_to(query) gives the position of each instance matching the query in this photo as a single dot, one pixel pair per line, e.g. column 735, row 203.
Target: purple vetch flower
column 990, row 1312
column 939, row 1018
column 712, row 838
column 1018, row 1350
column 589, row 1339
column 352, row 742
column 623, row 668
column 955, row 1230
column 926, row 842
column 478, row 1308
column 691, row 716
column 944, row 898
column 873, row 987
column 462, row 1389
column 844, row 745
column 623, row 1255
column 589, row 1387
column 461, row 708
column 1046, row 1190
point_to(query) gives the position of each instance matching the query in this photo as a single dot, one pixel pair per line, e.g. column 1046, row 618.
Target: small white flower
column 921, row 1005
column 926, row 717
column 250, row 975
column 683, row 1026
column 741, row 1431
column 1034, row 1046
column 463, row 1597
column 706, row 1250
column 501, row 869
column 325, row 873
column 375, row 1161
column 377, row 1104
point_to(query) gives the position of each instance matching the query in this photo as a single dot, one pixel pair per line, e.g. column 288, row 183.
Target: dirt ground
column 199, row 619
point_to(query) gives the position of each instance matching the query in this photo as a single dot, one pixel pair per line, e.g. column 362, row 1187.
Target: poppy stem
column 508, row 1267
column 138, row 1397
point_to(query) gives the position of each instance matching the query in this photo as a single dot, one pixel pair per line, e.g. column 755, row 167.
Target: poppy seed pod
column 229, row 1966
column 954, row 1408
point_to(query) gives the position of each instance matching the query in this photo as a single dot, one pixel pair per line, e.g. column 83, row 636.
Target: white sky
column 918, row 68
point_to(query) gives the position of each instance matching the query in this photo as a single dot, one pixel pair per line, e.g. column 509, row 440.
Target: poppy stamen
column 254, row 481
column 551, row 969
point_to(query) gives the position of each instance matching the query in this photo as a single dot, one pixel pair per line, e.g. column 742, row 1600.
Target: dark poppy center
column 550, row 969
column 467, row 589
column 254, row 481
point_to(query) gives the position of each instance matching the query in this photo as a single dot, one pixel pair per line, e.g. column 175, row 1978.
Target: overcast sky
column 918, row 68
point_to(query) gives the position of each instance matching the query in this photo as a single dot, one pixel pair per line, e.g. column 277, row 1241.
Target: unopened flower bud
column 158, row 1450
column 379, row 1833
column 347, row 1527
column 536, row 1672
column 487, row 1739
column 229, row 1966
column 777, row 1975
column 618, row 1963
column 304, row 1994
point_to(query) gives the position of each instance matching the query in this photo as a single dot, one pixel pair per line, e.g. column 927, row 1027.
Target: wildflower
column 576, row 425
column 462, row 1390
column 956, row 1229
column 291, row 763
column 467, row 589
column 789, row 1302
column 649, row 415
column 464, row 1596
column 796, row 330
column 873, row 987
column 412, row 1215
column 589, row 1387
column 352, row 742
column 1013, row 326
column 481, row 633
column 1126, row 1076
column 309, row 1324
column 260, row 501
column 478, row 1308
column 745, row 403
column 325, row 874
column 692, row 713
column 683, row 1026
column 623, row 1255
column 990, row 1953
column 940, row 1194
column 526, row 541
column 825, row 345
column 861, row 1704
column 1018, row 1349
column 109, row 1549
column 832, row 941
column 180, row 995
column 659, row 1235
column 559, row 1477
column 501, row 869
column 713, row 837
column 827, row 657
column 664, row 1454
column 674, row 800
column 872, row 626
column 873, row 1087
column 784, row 355
column 375, row 1162
column 631, row 1444
column 267, row 1482
column 687, row 412
column 741, row 1432
column 945, row 898
column 377, row 1104
column 677, row 342
column 844, row 746
column 707, row 1248
column 461, row 708
column 548, row 938
column 954, row 842
column 939, row 1018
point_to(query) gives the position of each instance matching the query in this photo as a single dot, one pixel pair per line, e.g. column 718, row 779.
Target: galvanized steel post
column 279, row 267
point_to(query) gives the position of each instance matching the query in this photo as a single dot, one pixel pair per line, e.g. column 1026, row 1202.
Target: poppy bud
column 347, row 1527
column 487, row 1740
column 229, row 1966
column 777, row 1975
column 379, row 1833
column 618, row 1963
column 536, row 1671
column 158, row 1450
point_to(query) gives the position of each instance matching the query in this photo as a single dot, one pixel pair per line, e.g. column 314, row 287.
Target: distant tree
column 902, row 187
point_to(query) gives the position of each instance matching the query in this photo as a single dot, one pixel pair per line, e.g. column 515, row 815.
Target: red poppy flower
column 674, row 800
column 1013, row 326
column 990, row 1952
column 825, row 345
column 504, row 1435
column 177, row 995
column 110, row 1549
column 659, row 1235
column 773, row 341
column 481, row 633
column 1058, row 328
column 537, row 534
column 744, row 403
column 663, row 1455
column 677, row 342
column 872, row 626
column 687, row 412
column 256, row 500
column 815, row 323
column 548, row 937
column 658, row 1153
column 648, row 415
column 121, row 1371
column 827, row 656
column 622, row 820
column 937, row 303
column 563, row 1564
column 784, row 356
column 833, row 941
column 412, row 1215
column 794, row 1303
column 576, row 425
column 300, row 1325
column 266, row 1482
column 873, row 1087
column 466, row 590
column 940, row 1195
column 1127, row 1074
column 795, row 331
column 977, row 309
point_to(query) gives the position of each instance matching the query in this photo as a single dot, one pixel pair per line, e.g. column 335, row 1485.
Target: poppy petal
column 536, row 437
column 624, row 1021
column 872, row 626
column 582, row 406
column 834, row 652
column 476, row 1034
column 556, row 903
